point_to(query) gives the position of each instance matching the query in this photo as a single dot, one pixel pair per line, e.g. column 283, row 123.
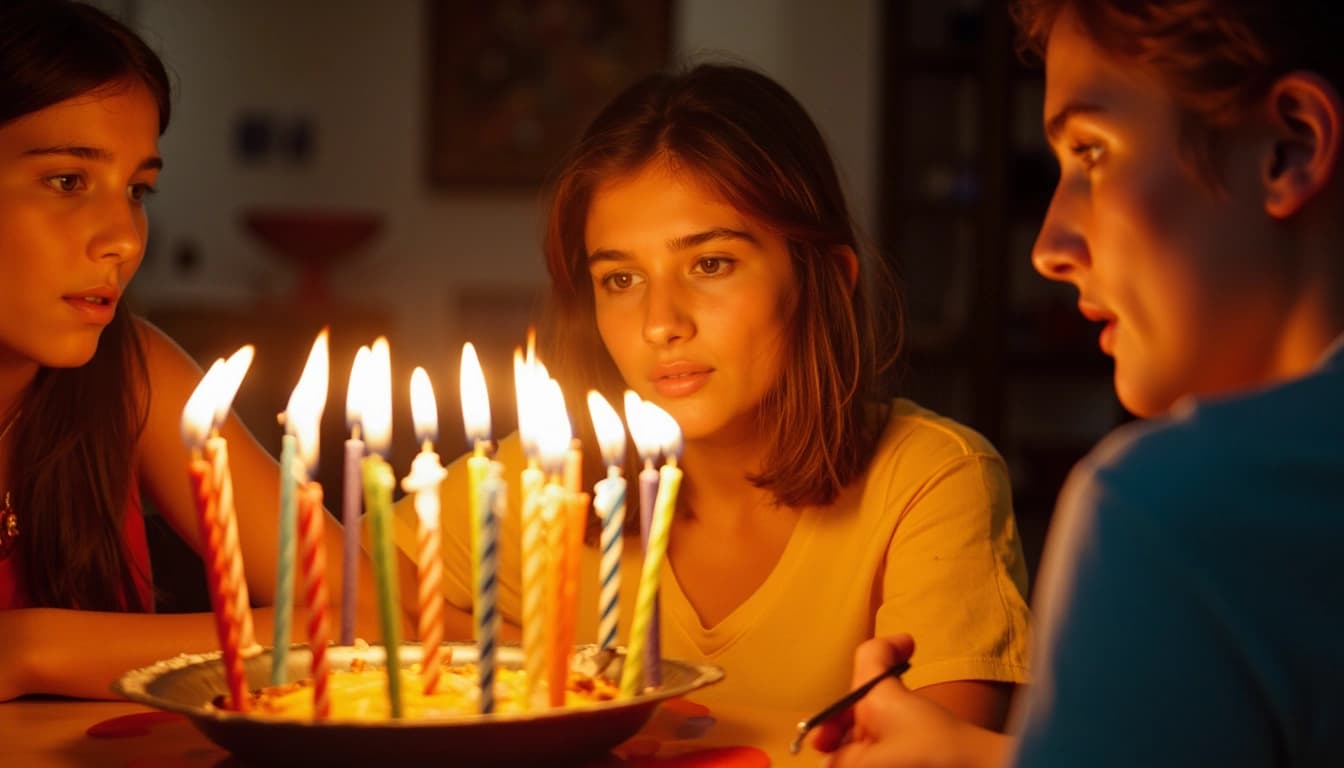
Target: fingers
column 830, row 735
column 877, row 654
column 851, row 755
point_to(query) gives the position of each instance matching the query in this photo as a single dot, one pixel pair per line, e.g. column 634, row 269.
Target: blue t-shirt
column 1191, row 601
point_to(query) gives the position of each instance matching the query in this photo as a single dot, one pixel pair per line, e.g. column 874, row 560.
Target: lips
column 96, row 305
column 1096, row 314
column 680, row 379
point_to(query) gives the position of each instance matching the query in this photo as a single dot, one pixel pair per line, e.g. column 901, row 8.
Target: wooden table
column 42, row 732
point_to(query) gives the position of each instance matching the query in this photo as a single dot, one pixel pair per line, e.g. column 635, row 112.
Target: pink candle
column 314, row 564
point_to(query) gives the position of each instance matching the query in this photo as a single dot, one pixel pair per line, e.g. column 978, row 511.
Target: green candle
column 378, row 480
column 284, row 571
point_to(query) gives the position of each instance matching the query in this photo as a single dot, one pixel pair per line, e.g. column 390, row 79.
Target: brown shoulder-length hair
column 72, row 464
column 749, row 139
column 1217, row 59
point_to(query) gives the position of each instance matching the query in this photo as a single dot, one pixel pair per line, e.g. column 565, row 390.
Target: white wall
column 358, row 68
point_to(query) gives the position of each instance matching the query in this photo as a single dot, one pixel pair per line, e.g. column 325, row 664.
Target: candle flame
column 642, row 429
column 199, row 413
column 475, row 399
column 522, row 395
column 424, row 409
column 607, row 424
column 235, row 368
column 356, row 393
column 304, row 414
column 664, row 429
column 376, row 410
column 553, row 429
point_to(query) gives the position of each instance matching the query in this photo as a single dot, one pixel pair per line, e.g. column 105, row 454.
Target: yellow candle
column 669, row 482
column 378, row 482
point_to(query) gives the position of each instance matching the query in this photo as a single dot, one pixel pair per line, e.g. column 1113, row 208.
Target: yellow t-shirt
column 923, row 542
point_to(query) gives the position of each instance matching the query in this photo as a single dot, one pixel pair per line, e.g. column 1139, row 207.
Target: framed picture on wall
column 513, row 83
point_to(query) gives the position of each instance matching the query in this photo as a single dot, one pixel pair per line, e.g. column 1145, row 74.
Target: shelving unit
column 967, row 179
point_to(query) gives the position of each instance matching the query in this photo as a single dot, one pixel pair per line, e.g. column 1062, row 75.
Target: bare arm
column 80, row 653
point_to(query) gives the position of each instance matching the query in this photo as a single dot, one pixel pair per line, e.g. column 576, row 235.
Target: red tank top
column 135, row 545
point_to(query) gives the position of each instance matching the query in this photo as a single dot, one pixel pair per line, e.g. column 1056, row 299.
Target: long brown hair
column 749, row 139
column 71, row 469
column 1216, row 58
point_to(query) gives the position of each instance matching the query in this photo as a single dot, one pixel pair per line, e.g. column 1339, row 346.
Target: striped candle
column 652, row 419
column 535, row 562
column 201, row 475
column 609, row 504
column 487, row 622
column 316, row 599
column 217, row 453
column 207, row 471
column 423, row 481
column 527, row 379
column 647, row 446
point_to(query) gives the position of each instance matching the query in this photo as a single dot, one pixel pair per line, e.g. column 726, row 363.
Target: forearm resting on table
column 81, row 653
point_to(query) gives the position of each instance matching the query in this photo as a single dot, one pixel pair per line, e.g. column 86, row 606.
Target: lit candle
column 492, row 505
column 378, row 482
column 304, row 415
column 216, row 452
column 472, row 387
column 646, row 445
column 352, row 496
column 609, row 504
column 199, row 425
column 553, row 439
column 668, row 436
column 527, row 390
column 476, row 420
column 292, row 473
column 423, row 481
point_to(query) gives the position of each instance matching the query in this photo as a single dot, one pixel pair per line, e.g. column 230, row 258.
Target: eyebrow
column 683, row 242
column 1055, row 125
column 89, row 153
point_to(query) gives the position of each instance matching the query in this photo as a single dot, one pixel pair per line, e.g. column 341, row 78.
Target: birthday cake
column 360, row 693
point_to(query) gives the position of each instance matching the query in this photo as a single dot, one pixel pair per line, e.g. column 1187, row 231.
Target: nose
column 666, row 319
column 1060, row 250
column 120, row 232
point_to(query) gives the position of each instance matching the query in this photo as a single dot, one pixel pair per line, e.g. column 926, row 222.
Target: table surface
column 37, row 732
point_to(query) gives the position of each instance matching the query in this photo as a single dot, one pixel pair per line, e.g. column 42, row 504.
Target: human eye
column 618, row 280
column 1088, row 153
column 65, row 182
column 138, row 192
column 714, row 265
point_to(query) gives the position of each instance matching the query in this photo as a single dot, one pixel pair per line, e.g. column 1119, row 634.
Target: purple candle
column 352, row 497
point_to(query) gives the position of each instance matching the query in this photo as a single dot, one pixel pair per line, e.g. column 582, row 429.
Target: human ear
column 848, row 263
column 1305, row 115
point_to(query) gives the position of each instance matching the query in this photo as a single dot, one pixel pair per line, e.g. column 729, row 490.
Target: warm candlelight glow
column 235, row 368
column 664, row 430
column 304, row 413
column 643, row 426
column 358, row 389
column 475, row 399
column 198, row 415
column 523, row 390
column 376, row 408
column 553, row 429
column 607, row 424
column 424, row 409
